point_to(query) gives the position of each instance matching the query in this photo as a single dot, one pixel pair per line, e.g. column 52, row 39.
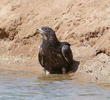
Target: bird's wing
column 67, row 53
column 41, row 57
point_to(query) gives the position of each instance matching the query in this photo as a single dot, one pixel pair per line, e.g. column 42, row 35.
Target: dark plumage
column 55, row 56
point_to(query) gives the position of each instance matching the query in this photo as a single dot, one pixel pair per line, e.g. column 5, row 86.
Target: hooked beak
column 39, row 31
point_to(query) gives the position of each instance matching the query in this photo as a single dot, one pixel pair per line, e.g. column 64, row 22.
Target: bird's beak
column 39, row 31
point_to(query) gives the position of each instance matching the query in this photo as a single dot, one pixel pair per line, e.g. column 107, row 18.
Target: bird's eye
column 45, row 29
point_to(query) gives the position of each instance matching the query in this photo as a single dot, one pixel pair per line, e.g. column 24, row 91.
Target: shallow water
column 27, row 86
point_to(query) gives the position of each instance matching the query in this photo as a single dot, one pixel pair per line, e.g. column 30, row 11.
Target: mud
column 84, row 24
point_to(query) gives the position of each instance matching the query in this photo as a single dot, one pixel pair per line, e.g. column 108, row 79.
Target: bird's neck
column 51, row 41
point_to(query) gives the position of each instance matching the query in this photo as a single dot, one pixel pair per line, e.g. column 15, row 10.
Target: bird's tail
column 75, row 65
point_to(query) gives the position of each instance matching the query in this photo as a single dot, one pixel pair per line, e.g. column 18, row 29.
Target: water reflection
column 27, row 86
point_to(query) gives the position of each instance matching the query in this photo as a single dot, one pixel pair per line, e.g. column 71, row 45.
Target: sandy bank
column 84, row 24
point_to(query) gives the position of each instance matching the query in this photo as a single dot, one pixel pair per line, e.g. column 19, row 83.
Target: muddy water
column 16, row 85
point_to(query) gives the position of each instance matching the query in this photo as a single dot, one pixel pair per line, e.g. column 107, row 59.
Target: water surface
column 27, row 86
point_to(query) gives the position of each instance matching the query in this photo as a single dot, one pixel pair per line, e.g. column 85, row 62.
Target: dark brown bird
column 54, row 56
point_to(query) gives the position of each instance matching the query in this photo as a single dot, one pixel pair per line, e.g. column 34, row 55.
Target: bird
column 54, row 56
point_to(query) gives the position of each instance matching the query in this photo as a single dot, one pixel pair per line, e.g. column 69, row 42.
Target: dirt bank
column 84, row 24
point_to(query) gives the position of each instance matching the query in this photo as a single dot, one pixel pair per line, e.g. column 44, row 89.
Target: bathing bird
column 54, row 56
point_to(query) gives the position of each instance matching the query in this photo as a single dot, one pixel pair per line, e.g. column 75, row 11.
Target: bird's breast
column 53, row 55
column 54, row 58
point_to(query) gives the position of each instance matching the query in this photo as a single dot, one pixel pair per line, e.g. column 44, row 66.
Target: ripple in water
column 26, row 86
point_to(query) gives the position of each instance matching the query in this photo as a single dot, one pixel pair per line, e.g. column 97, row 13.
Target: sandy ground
column 85, row 24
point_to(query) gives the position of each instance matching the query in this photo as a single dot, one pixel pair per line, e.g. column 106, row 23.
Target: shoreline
column 84, row 74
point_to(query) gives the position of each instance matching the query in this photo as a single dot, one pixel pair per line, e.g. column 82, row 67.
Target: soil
column 85, row 24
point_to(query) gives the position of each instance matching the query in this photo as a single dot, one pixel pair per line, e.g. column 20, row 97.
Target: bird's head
column 46, row 32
